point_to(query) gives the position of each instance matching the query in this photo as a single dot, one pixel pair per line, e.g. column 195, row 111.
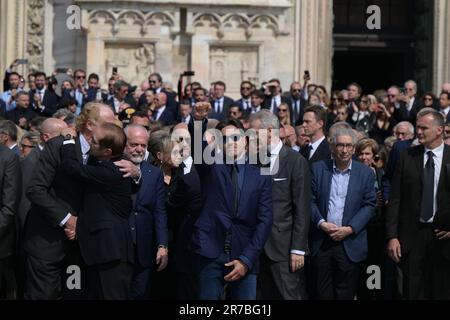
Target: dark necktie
column 235, row 182
column 156, row 115
column 218, row 111
column 307, row 151
column 426, row 211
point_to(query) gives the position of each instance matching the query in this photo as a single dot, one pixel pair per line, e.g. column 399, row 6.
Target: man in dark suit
column 120, row 101
column 245, row 101
column 296, row 103
column 184, row 204
column 10, row 180
column 102, row 228
column 162, row 113
column 221, row 103
column 418, row 214
column 409, row 104
column 2, row 109
column 235, row 222
column 148, row 220
column 8, row 136
column 155, row 81
column 444, row 104
column 56, row 201
column 314, row 122
column 43, row 101
column 343, row 202
column 273, row 101
column 282, row 260
column 22, row 113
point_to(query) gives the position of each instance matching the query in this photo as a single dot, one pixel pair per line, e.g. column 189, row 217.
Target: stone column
column 314, row 40
column 12, row 35
column 441, row 63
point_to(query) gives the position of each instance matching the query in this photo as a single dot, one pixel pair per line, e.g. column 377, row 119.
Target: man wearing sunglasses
column 297, row 103
column 155, row 81
column 409, row 104
column 245, row 101
column 234, row 225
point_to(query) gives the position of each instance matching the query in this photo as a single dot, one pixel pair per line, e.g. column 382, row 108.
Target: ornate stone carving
column 127, row 18
column 35, row 34
column 135, row 61
column 248, row 22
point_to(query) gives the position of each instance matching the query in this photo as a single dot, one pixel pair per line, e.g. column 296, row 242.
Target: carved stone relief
column 35, row 33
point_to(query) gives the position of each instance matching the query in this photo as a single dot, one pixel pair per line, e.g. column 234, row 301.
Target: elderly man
column 404, row 131
column 343, row 202
column 148, row 220
column 282, row 260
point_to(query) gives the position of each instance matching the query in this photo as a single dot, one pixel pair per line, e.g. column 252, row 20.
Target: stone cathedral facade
column 230, row 40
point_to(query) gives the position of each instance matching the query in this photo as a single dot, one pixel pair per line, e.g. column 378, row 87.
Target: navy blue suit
column 2, row 109
column 359, row 206
column 167, row 118
column 335, row 263
column 148, row 222
column 250, row 229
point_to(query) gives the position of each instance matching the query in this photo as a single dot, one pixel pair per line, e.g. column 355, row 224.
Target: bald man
column 446, row 87
column 56, row 200
column 162, row 112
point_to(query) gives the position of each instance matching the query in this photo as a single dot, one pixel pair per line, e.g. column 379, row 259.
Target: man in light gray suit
column 282, row 261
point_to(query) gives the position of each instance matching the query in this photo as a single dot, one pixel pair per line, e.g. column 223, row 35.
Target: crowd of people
column 116, row 183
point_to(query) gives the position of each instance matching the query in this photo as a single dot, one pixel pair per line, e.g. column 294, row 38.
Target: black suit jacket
column 323, row 152
column 184, row 204
column 102, row 227
column 15, row 114
column 28, row 166
column 403, row 212
column 167, row 118
column 2, row 109
column 53, row 194
column 227, row 102
column 291, row 196
column 296, row 119
column 127, row 100
column 268, row 102
column 402, row 114
column 50, row 101
column 10, row 182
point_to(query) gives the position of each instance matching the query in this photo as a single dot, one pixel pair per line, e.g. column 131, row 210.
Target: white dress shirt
column 314, row 146
column 187, row 165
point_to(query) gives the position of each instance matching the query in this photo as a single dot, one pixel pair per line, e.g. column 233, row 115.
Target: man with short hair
column 343, row 203
column 44, row 101
column 8, row 136
column 120, row 101
column 221, row 103
column 302, row 138
column 444, row 104
column 410, row 105
column 102, row 228
column 162, row 112
column 273, row 101
column 314, row 122
column 283, row 259
column 418, row 215
column 245, row 101
column 257, row 102
column 185, row 111
column 404, row 131
column 22, row 113
column 148, row 219
column 140, row 118
column 297, row 103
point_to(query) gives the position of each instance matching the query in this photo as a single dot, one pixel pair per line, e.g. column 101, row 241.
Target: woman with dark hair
column 429, row 100
column 367, row 152
column 382, row 123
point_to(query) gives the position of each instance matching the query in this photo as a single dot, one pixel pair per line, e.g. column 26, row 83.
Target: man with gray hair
column 409, row 104
column 8, row 136
column 418, row 214
column 283, row 257
column 404, row 131
column 148, row 220
column 343, row 202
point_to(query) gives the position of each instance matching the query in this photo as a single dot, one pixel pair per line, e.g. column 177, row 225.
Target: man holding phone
column 14, row 87
column 409, row 104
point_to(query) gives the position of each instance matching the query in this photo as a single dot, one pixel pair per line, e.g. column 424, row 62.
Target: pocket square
column 280, row 179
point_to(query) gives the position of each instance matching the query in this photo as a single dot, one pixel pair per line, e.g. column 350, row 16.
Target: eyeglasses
column 282, row 110
column 341, row 146
column 27, row 146
column 232, row 138
column 246, row 88
column 233, row 113
column 428, row 99
column 151, row 81
column 364, row 101
column 81, row 77
column 296, row 90
column 341, row 113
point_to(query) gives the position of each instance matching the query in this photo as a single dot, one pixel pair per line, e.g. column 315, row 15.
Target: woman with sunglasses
column 429, row 100
column 284, row 115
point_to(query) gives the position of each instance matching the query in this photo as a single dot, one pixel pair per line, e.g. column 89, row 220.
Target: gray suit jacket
column 291, row 194
column 10, row 186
